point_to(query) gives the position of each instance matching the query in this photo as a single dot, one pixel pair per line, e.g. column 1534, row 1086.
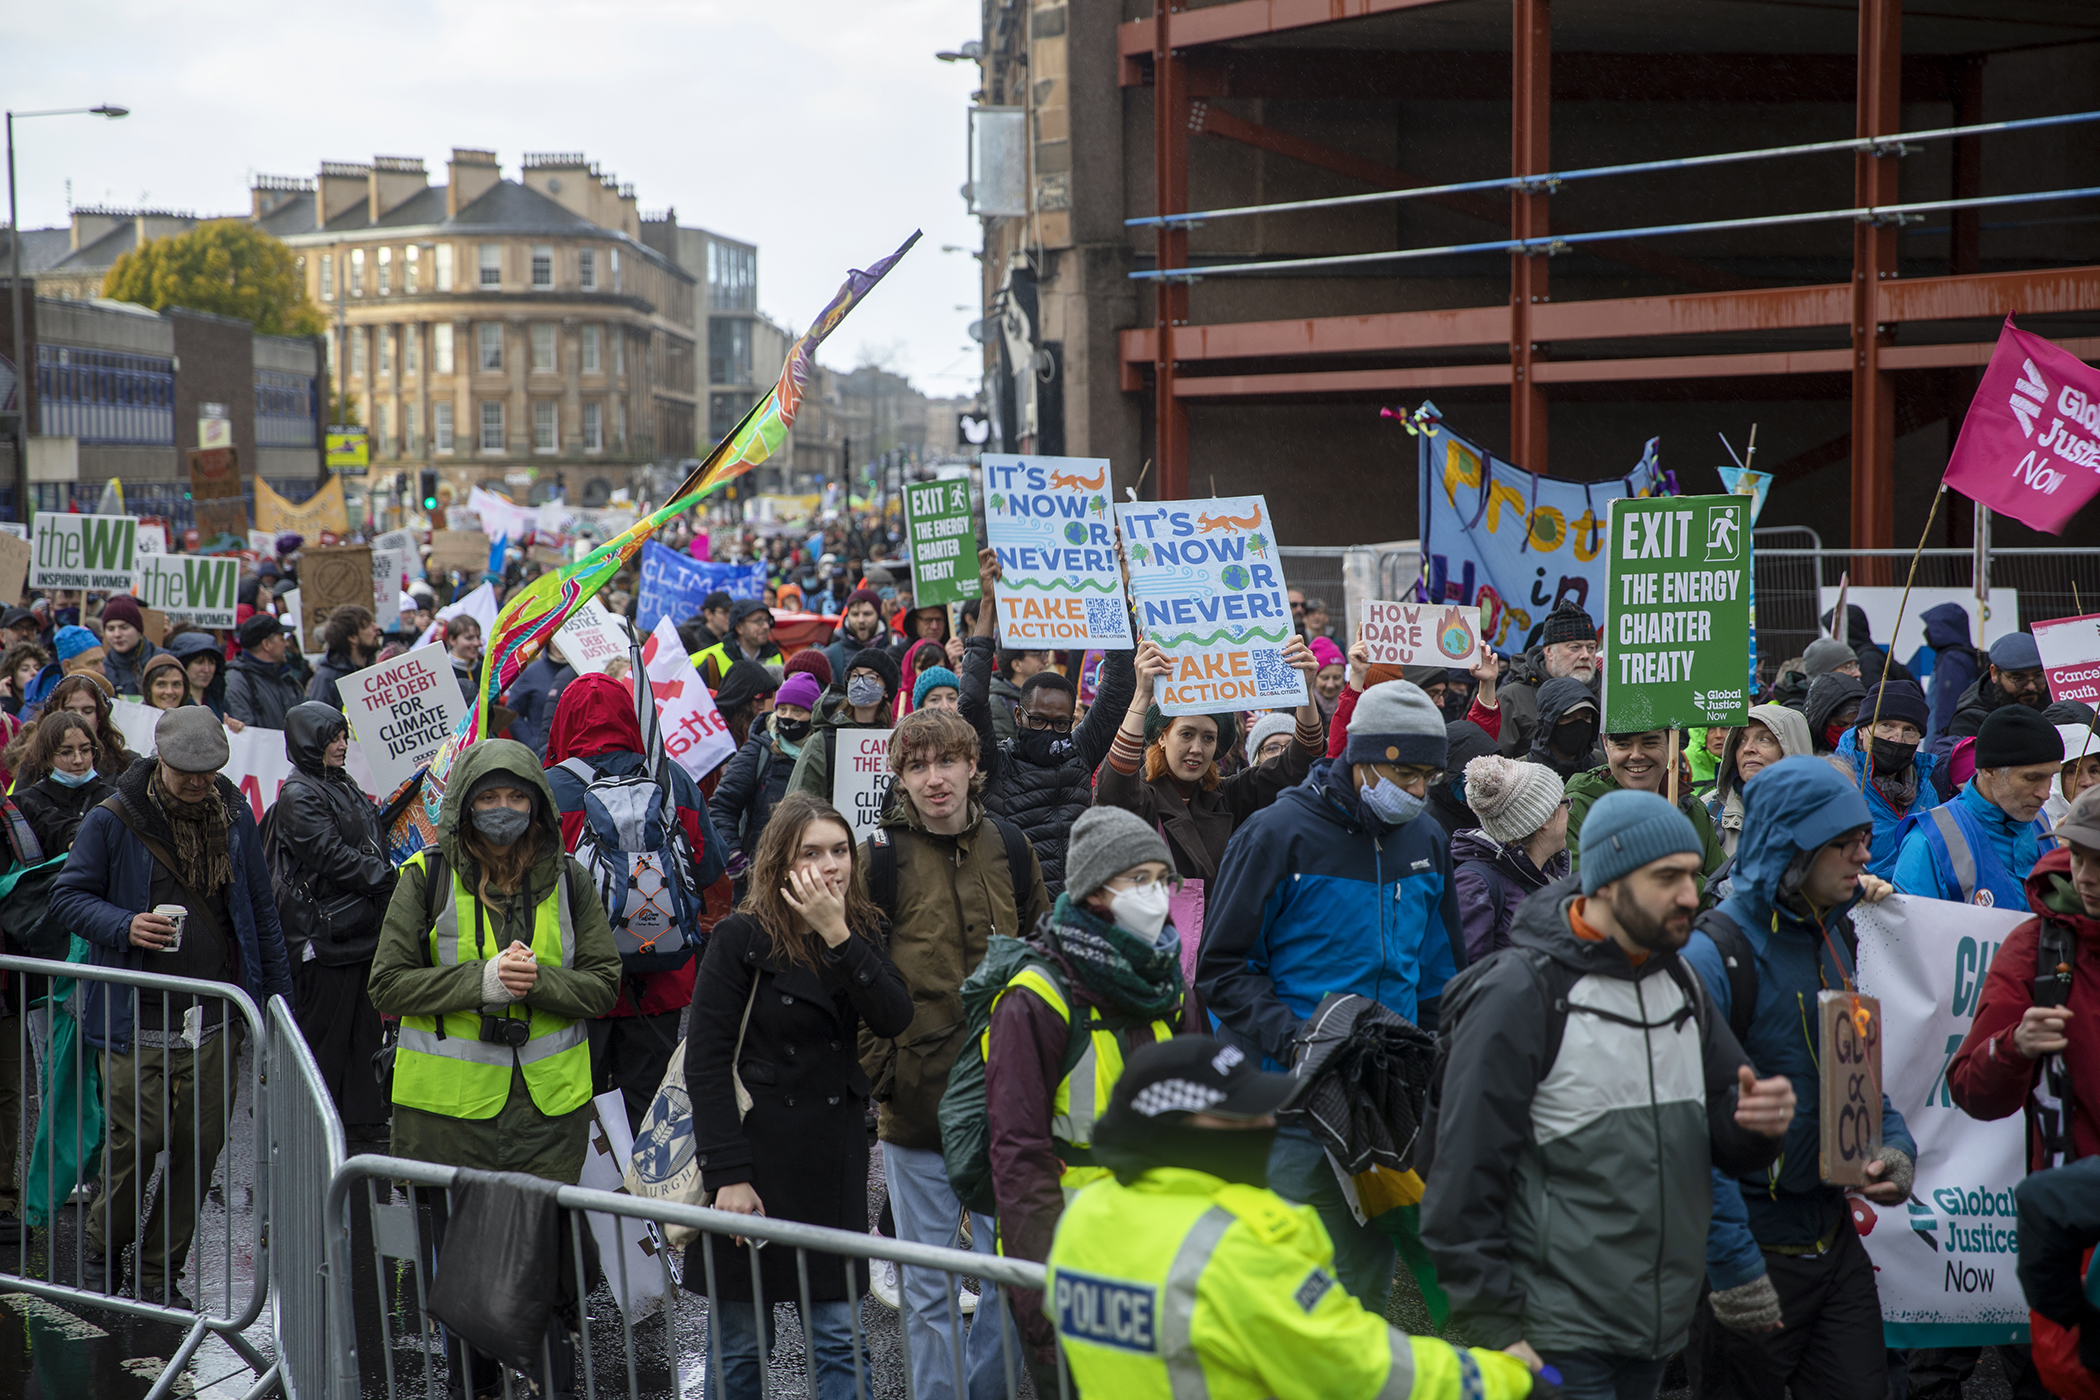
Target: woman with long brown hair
column 784, row 987
column 86, row 694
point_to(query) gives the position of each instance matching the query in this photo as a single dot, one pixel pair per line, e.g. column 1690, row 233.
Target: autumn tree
column 225, row 267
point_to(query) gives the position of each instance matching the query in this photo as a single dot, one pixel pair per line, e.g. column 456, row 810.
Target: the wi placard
column 1047, row 518
column 1208, row 580
column 190, row 588
column 84, row 551
column 1677, row 617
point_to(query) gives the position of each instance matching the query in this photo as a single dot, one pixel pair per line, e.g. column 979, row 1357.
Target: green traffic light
column 430, row 503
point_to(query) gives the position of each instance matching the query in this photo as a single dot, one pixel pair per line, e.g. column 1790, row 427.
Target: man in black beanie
column 1567, row 647
column 1979, row 846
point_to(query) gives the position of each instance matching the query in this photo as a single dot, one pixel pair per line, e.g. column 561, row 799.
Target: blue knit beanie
column 931, row 678
column 71, row 641
column 1626, row 830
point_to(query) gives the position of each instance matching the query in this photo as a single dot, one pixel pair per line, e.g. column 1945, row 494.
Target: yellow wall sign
column 349, row 447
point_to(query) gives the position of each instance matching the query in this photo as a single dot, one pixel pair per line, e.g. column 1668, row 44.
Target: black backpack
column 882, row 868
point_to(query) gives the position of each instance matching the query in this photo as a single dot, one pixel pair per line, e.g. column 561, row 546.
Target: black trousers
column 335, row 1012
column 631, row 1053
column 1829, row 1346
column 1938, row 1373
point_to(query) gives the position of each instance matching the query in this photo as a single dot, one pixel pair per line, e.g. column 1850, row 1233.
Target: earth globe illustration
column 1234, row 577
column 1075, row 533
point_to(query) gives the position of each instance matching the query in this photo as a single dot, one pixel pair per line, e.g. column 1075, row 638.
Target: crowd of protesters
column 1081, row 982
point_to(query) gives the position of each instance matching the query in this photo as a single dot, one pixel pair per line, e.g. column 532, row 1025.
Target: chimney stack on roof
column 470, row 175
column 272, row 192
column 394, row 181
column 342, row 184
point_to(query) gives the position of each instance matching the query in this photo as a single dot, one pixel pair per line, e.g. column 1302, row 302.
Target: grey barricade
column 306, row 1150
column 662, row 1354
column 147, row 1133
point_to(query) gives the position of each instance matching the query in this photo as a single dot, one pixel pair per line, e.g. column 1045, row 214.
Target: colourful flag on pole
column 532, row 615
column 2030, row 445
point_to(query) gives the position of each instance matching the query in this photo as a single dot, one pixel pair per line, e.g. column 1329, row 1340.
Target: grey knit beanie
column 1512, row 798
column 1395, row 722
column 1826, row 654
column 1105, row 842
column 1269, row 725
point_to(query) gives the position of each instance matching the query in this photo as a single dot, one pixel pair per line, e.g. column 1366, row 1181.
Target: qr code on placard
column 1104, row 616
column 1272, row 674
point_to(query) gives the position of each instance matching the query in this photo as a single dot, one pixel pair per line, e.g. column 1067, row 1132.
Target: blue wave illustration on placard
column 1182, row 579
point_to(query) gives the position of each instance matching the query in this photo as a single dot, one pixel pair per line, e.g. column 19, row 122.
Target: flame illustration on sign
column 1454, row 635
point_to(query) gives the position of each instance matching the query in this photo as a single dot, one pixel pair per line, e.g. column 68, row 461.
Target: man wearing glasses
column 1042, row 778
column 1337, row 886
column 1567, row 647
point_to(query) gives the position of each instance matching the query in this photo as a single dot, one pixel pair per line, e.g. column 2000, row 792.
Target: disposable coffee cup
column 178, row 915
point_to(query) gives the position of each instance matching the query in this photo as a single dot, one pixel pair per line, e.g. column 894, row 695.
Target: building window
column 728, row 349
column 543, row 430
column 379, row 430
column 594, row 427
column 587, row 269
column 386, row 271
column 441, row 348
column 543, row 348
column 491, row 264
column 492, row 425
column 732, row 277
column 616, row 269
column 328, row 277
column 619, row 340
column 491, row 333
column 441, row 426
column 386, row 351
column 284, row 409
column 411, row 344
column 592, row 335
column 724, row 412
column 357, row 272
column 408, row 273
column 357, row 350
column 542, row 268
column 444, row 262
column 408, row 427
column 620, row 424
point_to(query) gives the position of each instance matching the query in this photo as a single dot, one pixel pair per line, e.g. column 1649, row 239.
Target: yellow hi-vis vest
column 442, row 1065
column 1183, row 1285
column 1084, row 1093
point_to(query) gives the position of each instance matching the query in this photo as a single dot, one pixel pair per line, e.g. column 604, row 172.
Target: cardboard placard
column 1849, row 1086
column 1208, row 581
column 215, row 493
column 84, row 551
column 459, row 549
column 1048, row 520
column 1422, row 634
column 190, row 588
column 401, row 710
column 1677, row 613
column 861, row 778
column 943, row 542
column 153, row 624
column 15, row 554
column 330, row 577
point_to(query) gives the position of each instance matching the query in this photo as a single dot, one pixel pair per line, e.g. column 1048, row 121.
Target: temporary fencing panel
column 306, row 1149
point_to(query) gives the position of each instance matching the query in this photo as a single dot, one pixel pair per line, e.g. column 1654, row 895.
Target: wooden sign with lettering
column 215, row 493
column 1849, row 1053
column 329, row 577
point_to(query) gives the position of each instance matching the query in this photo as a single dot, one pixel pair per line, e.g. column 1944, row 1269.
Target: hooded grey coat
column 1790, row 728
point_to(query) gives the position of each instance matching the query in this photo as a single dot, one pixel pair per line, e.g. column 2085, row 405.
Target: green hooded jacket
column 1585, row 788
column 404, row 983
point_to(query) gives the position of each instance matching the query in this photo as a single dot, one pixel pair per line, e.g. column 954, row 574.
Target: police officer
column 1187, row 1275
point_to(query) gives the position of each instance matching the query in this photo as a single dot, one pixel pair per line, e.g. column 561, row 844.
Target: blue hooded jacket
column 1922, row 867
column 1314, row 896
column 1796, row 805
column 1954, row 663
column 1888, row 822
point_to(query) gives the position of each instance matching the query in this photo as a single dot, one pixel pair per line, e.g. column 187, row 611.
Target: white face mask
column 1143, row 911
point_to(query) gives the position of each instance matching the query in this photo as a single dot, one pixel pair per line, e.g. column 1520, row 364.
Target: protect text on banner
column 860, row 778
column 190, row 588
column 1208, row 579
column 1422, row 634
column 1944, row 1261
column 2030, row 444
column 1516, row 544
column 2070, row 648
column 400, row 712
column 695, row 734
column 943, row 542
column 1047, row 518
column 84, row 551
column 1677, row 613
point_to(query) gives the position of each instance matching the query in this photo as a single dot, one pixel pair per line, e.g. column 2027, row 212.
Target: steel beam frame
column 1170, row 304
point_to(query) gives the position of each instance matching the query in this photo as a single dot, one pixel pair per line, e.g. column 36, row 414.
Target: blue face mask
column 1389, row 802
column 72, row 780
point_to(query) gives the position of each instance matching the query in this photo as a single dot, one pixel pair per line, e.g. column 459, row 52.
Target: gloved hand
column 1898, row 1172
column 737, row 863
column 1748, row 1307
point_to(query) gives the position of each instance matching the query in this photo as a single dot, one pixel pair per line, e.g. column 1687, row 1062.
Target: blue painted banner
column 1515, row 544
column 674, row 584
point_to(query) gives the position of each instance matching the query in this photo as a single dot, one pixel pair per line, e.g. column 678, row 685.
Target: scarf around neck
column 1121, row 969
column 199, row 838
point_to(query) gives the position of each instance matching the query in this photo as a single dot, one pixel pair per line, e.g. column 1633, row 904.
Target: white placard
column 84, row 551
column 861, row 777
column 400, row 712
column 190, row 587
column 695, row 734
column 591, row 640
column 390, row 568
column 638, row 1287
column 1047, row 518
column 15, row 528
column 1422, row 634
column 1944, row 1261
column 153, row 539
column 404, row 543
column 262, row 543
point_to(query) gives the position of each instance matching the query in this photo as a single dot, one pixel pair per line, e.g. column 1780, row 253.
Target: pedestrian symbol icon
column 1724, row 529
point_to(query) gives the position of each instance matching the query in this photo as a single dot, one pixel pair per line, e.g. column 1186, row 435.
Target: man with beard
column 1980, row 844
column 1537, row 1116
column 1567, row 648
column 860, row 630
column 1793, row 1301
column 2013, row 677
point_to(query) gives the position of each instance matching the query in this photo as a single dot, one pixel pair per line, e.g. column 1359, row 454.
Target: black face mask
column 792, row 730
column 1039, row 746
column 1575, row 738
column 1891, row 757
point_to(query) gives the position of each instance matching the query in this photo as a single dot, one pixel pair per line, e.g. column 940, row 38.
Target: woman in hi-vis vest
column 495, row 953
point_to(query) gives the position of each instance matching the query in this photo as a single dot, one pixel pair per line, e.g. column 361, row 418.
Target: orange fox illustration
column 1205, row 524
column 1074, row 481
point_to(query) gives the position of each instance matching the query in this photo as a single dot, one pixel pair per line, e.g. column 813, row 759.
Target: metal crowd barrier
column 306, row 1151
column 56, row 1075
column 664, row 1353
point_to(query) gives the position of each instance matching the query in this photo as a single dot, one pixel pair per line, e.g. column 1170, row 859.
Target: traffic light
column 430, row 489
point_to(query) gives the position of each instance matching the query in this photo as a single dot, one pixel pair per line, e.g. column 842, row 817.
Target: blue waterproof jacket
column 2004, row 851
column 1888, row 822
column 1317, row 896
column 1797, row 804
column 1954, row 663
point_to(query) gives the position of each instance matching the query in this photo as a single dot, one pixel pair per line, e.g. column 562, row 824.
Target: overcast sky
column 824, row 131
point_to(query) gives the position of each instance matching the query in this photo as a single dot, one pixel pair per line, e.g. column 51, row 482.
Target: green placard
column 943, row 542
column 1677, row 621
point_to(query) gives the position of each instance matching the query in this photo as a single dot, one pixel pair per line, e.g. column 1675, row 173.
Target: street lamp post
column 14, row 292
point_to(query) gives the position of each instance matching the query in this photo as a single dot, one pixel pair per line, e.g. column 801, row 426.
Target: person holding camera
column 495, row 953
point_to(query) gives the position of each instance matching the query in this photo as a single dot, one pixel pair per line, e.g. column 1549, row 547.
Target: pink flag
column 2030, row 447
